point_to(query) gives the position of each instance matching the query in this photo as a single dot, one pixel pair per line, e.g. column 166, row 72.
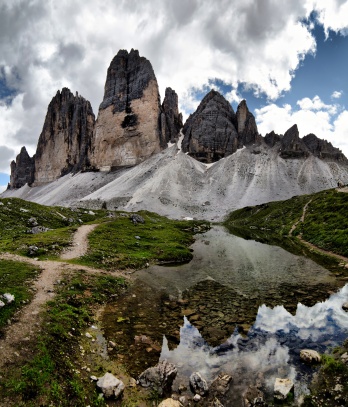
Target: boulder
column 220, row 385
column 198, row 384
column 110, row 385
column 282, row 388
column 253, row 397
column 135, row 218
column 159, row 377
column 310, row 356
column 345, row 306
column 170, row 403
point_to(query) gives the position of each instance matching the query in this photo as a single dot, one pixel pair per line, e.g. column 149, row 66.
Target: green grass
column 16, row 221
column 51, row 376
column 15, row 278
column 114, row 245
column 325, row 225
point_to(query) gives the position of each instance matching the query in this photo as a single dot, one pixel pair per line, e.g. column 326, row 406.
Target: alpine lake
column 239, row 307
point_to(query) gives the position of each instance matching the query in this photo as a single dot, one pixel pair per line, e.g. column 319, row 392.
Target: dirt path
column 27, row 320
column 294, row 226
column 80, row 243
column 310, row 245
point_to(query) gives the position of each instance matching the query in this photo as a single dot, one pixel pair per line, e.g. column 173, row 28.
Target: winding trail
column 312, row 246
column 27, row 321
column 80, row 243
column 294, row 226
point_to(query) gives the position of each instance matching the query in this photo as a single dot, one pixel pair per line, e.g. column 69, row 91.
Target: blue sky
column 287, row 59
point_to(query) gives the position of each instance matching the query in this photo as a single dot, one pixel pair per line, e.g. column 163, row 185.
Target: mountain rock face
column 210, row 133
column 322, row 148
column 272, row 138
column 22, row 170
column 65, row 138
column 171, row 119
column 247, row 129
column 292, row 146
column 128, row 128
column 214, row 131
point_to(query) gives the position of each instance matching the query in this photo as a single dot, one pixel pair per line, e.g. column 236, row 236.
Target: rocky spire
column 171, row 119
column 128, row 129
column 65, row 138
column 246, row 125
column 22, row 170
column 291, row 145
column 209, row 132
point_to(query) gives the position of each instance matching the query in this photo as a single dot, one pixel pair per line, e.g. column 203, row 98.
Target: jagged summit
column 215, row 131
column 133, row 126
column 210, row 133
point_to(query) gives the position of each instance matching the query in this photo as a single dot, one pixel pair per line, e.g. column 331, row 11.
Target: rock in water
column 198, row 384
column 110, row 385
column 65, row 138
column 210, row 133
column 128, row 129
column 171, row 119
column 282, row 388
column 22, row 170
column 159, row 377
column 310, row 356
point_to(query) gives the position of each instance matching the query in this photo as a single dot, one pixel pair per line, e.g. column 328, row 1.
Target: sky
column 288, row 59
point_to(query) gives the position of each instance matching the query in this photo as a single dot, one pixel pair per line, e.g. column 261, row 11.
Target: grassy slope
column 121, row 244
column 52, row 374
column 325, row 225
column 15, row 278
column 15, row 222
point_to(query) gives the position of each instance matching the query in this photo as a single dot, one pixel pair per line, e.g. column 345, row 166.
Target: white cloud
column 336, row 94
column 45, row 46
column 312, row 116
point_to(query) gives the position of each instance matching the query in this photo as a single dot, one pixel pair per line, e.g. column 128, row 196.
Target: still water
column 239, row 307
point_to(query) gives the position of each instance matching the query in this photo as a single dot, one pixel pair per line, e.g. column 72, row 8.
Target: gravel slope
column 173, row 184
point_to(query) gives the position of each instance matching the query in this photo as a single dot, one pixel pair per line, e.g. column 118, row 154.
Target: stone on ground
column 110, row 385
column 282, row 388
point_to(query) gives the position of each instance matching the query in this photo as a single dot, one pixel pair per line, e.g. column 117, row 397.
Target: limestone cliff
column 322, row 148
column 65, row 138
column 171, row 119
column 209, row 132
column 247, row 129
column 128, row 128
column 22, row 170
column 291, row 146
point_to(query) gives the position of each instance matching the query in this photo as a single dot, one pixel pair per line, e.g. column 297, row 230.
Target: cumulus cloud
column 45, row 46
column 336, row 94
column 326, row 121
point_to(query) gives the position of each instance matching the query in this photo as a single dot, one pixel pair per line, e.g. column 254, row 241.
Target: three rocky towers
column 132, row 125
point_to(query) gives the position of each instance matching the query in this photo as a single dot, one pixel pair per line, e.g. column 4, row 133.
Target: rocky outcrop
column 247, row 129
column 171, row 119
column 128, row 128
column 272, row 138
column 22, row 170
column 322, row 148
column 65, row 138
column 209, row 132
column 291, row 146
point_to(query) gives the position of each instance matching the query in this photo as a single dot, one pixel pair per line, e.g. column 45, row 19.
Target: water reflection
column 271, row 348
